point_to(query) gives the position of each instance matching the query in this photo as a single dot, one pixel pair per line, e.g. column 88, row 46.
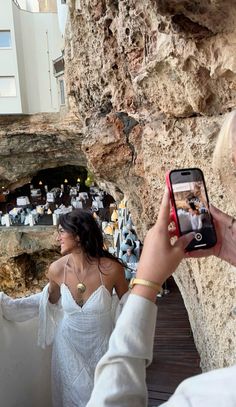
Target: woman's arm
column 121, row 284
column 159, row 257
column 54, row 292
column 54, row 287
column 120, row 374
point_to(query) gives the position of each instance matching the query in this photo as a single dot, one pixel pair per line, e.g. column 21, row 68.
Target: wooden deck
column 175, row 356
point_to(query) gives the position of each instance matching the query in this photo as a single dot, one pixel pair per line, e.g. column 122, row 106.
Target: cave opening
column 53, row 188
column 46, row 180
column 54, row 177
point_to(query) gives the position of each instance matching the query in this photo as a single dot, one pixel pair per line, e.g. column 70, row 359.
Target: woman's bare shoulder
column 110, row 266
column 57, row 267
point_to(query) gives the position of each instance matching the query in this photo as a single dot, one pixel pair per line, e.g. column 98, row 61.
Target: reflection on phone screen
column 191, row 206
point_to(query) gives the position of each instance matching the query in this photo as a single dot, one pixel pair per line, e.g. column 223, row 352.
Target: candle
column 54, row 219
column 7, row 219
column 31, row 220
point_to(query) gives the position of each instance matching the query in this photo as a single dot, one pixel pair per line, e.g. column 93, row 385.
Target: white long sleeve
column 24, row 367
column 120, row 374
column 212, row 389
column 36, row 305
column 19, row 309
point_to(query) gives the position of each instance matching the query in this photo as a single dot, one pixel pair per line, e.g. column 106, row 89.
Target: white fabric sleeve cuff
column 19, row 309
column 136, row 323
column 49, row 316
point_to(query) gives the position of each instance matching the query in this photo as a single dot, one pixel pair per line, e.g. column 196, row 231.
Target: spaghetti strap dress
column 81, row 338
column 76, row 337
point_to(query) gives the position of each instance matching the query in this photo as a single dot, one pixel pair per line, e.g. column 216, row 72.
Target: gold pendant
column 81, row 287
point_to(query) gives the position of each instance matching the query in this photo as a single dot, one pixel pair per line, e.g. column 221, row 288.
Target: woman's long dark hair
column 81, row 223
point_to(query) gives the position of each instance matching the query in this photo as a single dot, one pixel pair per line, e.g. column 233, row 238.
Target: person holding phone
column 120, row 374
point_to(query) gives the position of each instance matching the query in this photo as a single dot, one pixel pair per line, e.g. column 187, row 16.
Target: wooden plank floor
column 175, row 356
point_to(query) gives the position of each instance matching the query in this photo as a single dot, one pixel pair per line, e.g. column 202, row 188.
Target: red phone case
column 173, row 211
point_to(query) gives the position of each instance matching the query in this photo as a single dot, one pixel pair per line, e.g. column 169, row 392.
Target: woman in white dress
column 195, row 217
column 76, row 307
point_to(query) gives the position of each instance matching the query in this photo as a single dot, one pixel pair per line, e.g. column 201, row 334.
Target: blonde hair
column 223, row 162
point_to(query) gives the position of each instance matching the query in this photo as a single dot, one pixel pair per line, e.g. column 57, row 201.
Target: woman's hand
column 159, row 257
column 225, row 247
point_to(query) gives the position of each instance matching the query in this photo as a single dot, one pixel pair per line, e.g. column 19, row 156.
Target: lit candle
column 31, row 220
column 7, row 219
column 54, row 219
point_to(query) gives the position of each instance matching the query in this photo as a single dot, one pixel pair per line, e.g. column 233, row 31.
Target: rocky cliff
column 152, row 81
column 148, row 85
column 29, row 144
column 25, row 255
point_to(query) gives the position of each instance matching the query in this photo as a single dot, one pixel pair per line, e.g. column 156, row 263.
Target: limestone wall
column 29, row 144
column 25, row 255
column 152, row 81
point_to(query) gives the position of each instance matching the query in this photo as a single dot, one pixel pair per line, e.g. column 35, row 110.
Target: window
column 62, row 92
column 58, row 66
column 7, row 86
column 5, row 39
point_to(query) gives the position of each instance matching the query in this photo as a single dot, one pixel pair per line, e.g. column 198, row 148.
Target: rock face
column 25, row 255
column 152, row 81
column 32, row 143
column 148, row 85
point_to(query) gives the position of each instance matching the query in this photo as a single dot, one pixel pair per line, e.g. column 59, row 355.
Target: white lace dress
column 79, row 337
column 80, row 341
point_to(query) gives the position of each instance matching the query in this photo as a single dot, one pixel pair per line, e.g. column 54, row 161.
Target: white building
column 30, row 39
column 62, row 11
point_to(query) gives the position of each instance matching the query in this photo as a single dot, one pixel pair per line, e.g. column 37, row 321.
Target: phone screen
column 192, row 207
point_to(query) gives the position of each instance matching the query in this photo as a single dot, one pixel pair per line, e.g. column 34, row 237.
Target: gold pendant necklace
column 81, row 287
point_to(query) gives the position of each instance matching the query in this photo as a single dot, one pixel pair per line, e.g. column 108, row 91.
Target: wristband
column 146, row 283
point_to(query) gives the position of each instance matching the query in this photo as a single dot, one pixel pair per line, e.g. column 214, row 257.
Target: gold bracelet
column 146, row 283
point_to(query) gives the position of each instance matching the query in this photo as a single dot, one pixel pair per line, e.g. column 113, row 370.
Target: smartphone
column 190, row 207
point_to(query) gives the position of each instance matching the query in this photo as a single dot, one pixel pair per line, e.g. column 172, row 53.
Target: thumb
column 184, row 240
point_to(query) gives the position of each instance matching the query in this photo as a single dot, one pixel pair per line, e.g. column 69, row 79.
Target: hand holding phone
column 190, row 206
